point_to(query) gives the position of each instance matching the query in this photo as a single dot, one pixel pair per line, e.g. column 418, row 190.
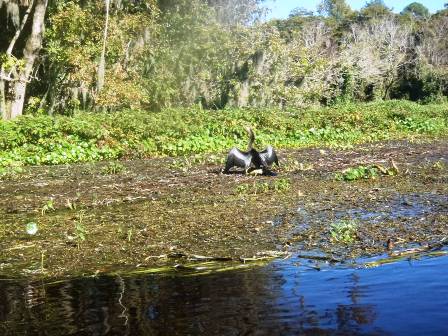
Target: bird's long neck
column 251, row 139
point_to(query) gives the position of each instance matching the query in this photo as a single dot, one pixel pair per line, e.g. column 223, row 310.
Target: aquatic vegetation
column 439, row 165
column 281, row 184
column 366, row 172
column 11, row 170
column 292, row 165
column 202, row 213
column 254, row 188
column 48, row 206
column 80, row 230
column 278, row 185
column 113, row 168
column 84, row 137
column 358, row 173
column 344, row 231
column 125, row 233
column 187, row 162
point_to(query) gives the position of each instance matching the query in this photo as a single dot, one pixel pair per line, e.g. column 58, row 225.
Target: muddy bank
column 90, row 219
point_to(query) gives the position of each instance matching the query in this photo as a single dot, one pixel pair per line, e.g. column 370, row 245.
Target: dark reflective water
column 285, row 298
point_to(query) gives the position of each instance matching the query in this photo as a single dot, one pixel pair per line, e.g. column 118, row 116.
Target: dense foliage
column 133, row 133
column 217, row 53
column 195, row 64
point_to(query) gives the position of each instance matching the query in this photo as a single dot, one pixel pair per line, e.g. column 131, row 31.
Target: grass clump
column 113, row 168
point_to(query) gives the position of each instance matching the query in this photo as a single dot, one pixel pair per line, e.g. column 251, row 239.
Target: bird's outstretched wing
column 269, row 156
column 237, row 158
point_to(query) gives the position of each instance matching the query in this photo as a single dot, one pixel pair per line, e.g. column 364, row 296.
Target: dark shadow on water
column 284, row 298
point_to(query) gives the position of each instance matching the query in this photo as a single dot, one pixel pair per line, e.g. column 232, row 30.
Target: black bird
column 251, row 158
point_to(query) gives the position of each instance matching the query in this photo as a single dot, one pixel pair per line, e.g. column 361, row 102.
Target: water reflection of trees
column 240, row 303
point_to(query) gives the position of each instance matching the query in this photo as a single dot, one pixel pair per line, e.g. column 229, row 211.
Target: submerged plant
column 344, row 231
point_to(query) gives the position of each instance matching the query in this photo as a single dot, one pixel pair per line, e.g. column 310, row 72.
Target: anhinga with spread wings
column 251, row 158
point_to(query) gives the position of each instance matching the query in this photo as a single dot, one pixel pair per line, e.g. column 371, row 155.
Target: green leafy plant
column 344, row 231
column 48, row 206
column 189, row 133
column 353, row 174
column 281, row 184
column 254, row 188
column 367, row 172
column 113, row 168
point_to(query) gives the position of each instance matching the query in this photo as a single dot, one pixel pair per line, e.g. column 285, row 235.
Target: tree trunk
column 2, row 96
column 16, row 108
column 15, row 92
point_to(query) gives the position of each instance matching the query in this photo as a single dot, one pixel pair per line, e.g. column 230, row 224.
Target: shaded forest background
column 111, row 55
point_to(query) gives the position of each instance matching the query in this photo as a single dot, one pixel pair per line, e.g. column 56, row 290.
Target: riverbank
column 139, row 214
column 90, row 137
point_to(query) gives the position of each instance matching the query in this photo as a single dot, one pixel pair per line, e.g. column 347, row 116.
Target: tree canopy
column 110, row 55
column 416, row 10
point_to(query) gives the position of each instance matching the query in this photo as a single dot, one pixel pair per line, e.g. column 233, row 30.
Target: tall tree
column 16, row 69
column 376, row 52
column 375, row 9
column 416, row 10
column 337, row 9
column 300, row 11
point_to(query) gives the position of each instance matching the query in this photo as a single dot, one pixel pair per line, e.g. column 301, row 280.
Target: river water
column 286, row 297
